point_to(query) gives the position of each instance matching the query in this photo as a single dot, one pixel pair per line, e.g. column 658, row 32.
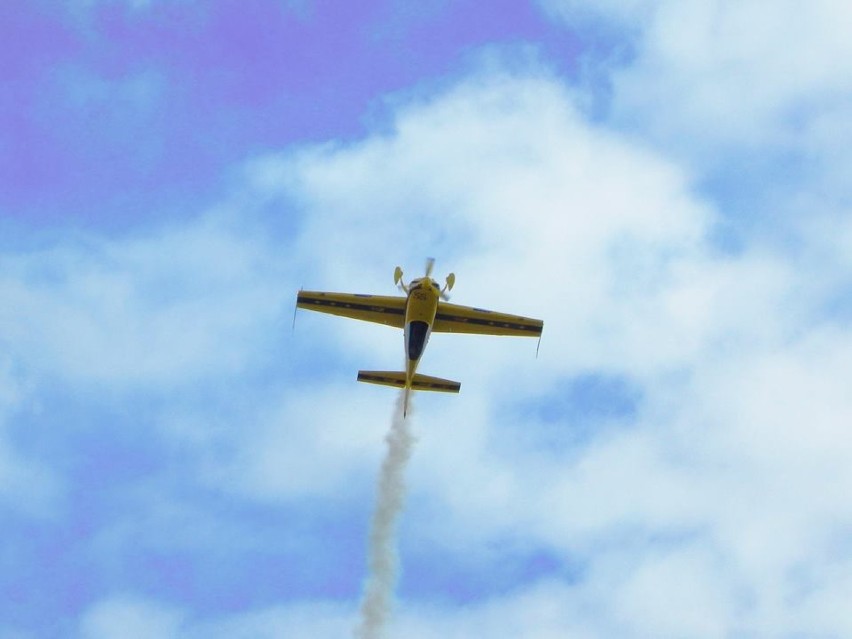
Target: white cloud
column 548, row 610
column 710, row 75
column 313, row 443
column 130, row 618
column 173, row 307
column 299, row 620
column 678, row 593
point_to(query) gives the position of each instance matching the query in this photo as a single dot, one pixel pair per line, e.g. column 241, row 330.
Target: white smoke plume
column 382, row 556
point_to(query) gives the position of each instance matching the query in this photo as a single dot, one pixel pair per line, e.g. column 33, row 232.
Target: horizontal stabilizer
column 424, row 382
column 386, row 378
column 420, row 382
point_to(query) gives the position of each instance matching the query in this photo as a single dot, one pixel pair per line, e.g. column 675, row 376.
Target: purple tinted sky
column 121, row 113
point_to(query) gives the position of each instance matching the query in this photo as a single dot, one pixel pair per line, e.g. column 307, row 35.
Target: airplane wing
column 452, row 318
column 382, row 309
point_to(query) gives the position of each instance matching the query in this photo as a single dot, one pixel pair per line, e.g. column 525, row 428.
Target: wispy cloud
column 172, row 307
column 131, row 618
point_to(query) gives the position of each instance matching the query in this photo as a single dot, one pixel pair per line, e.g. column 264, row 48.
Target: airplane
column 422, row 311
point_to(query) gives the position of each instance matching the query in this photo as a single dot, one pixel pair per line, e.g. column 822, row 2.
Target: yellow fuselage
column 420, row 309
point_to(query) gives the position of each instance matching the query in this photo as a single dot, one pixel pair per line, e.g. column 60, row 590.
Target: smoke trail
column 382, row 558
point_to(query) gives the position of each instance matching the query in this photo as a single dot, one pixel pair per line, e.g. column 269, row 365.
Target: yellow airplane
column 421, row 312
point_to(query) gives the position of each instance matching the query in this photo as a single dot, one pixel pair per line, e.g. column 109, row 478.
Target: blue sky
column 664, row 182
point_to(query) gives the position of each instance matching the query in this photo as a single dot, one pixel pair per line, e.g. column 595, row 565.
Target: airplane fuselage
column 420, row 310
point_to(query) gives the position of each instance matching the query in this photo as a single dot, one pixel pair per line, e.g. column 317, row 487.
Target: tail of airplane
column 419, row 382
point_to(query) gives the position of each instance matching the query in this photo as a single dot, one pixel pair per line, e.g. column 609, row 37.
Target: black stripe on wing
column 306, row 300
column 535, row 330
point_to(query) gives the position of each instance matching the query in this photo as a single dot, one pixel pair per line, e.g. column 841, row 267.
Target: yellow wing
column 382, row 309
column 452, row 318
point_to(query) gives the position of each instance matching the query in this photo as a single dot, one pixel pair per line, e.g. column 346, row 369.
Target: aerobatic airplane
column 421, row 312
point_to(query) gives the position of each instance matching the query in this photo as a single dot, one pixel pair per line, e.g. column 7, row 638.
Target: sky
column 663, row 182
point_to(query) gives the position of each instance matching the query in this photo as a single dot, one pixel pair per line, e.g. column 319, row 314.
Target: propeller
column 430, row 265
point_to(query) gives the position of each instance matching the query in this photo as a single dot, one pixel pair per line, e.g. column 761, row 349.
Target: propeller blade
column 430, row 264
